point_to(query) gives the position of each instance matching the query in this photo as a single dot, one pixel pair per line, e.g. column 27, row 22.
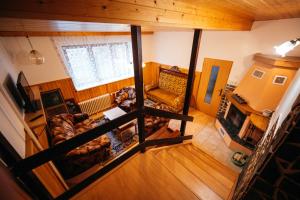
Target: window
column 96, row 64
column 211, row 84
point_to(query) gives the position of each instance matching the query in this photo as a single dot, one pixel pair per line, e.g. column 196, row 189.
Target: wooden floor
column 177, row 172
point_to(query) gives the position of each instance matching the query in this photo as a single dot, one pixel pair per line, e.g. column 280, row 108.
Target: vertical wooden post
column 136, row 39
column 191, row 75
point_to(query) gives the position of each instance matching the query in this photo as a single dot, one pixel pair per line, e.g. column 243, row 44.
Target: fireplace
column 233, row 125
column 234, row 120
column 243, row 118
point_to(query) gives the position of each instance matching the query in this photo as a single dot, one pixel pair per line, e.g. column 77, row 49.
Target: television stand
column 37, row 105
column 53, row 103
column 35, row 118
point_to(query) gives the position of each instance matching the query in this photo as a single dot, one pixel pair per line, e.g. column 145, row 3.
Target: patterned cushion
column 125, row 98
column 172, row 83
column 162, row 95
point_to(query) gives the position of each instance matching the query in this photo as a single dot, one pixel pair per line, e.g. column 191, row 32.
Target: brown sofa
column 66, row 126
column 170, row 88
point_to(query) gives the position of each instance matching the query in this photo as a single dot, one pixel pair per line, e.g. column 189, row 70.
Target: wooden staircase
column 206, row 177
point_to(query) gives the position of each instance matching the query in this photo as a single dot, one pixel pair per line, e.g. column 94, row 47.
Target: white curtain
column 94, row 60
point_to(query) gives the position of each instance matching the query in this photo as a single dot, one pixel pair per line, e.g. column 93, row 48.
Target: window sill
column 79, row 89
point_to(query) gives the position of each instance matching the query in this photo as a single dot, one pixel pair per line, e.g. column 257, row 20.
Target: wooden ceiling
column 151, row 14
column 257, row 10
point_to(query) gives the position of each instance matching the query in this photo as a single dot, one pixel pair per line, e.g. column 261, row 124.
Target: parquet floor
column 178, row 172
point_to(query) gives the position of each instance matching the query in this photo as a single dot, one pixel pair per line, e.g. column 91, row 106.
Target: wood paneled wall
column 150, row 72
column 69, row 91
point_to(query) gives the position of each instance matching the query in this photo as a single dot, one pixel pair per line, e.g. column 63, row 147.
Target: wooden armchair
column 170, row 88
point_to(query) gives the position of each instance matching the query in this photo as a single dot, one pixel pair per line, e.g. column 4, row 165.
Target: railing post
column 191, row 75
column 136, row 39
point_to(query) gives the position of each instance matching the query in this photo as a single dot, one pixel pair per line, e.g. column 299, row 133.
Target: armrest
column 178, row 101
column 150, row 87
column 79, row 117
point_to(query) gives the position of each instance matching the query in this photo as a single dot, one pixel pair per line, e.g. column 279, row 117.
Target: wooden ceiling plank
column 69, row 33
column 255, row 9
column 184, row 7
column 122, row 12
column 266, row 9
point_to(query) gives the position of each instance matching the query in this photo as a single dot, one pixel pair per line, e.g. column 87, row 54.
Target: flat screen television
column 13, row 92
column 26, row 93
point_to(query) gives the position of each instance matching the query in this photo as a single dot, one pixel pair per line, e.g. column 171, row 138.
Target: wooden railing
column 26, row 165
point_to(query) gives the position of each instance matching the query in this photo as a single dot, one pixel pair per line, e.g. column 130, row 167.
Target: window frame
column 92, row 58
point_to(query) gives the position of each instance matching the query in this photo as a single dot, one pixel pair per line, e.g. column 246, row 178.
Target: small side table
column 124, row 132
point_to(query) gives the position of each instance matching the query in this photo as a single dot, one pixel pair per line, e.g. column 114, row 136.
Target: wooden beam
column 64, row 33
column 166, row 114
column 191, row 76
column 136, row 40
column 167, row 141
column 159, row 13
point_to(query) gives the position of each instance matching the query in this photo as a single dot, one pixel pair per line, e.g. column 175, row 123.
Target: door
column 214, row 77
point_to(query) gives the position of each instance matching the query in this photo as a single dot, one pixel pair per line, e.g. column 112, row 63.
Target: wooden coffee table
column 124, row 132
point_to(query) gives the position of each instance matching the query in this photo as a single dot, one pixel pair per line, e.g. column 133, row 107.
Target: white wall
column 174, row 48
column 286, row 103
column 18, row 49
column 10, row 125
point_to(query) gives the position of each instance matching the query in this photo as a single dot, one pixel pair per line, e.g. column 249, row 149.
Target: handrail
column 167, row 114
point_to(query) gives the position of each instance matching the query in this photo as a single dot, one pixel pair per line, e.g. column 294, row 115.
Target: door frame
column 227, row 66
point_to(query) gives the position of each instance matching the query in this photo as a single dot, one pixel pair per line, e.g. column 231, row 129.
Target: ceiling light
column 35, row 57
column 285, row 47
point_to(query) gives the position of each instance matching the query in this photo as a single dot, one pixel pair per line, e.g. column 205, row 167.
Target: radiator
column 96, row 104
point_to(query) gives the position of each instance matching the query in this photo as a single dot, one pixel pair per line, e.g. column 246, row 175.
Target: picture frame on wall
column 257, row 73
column 279, row 80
